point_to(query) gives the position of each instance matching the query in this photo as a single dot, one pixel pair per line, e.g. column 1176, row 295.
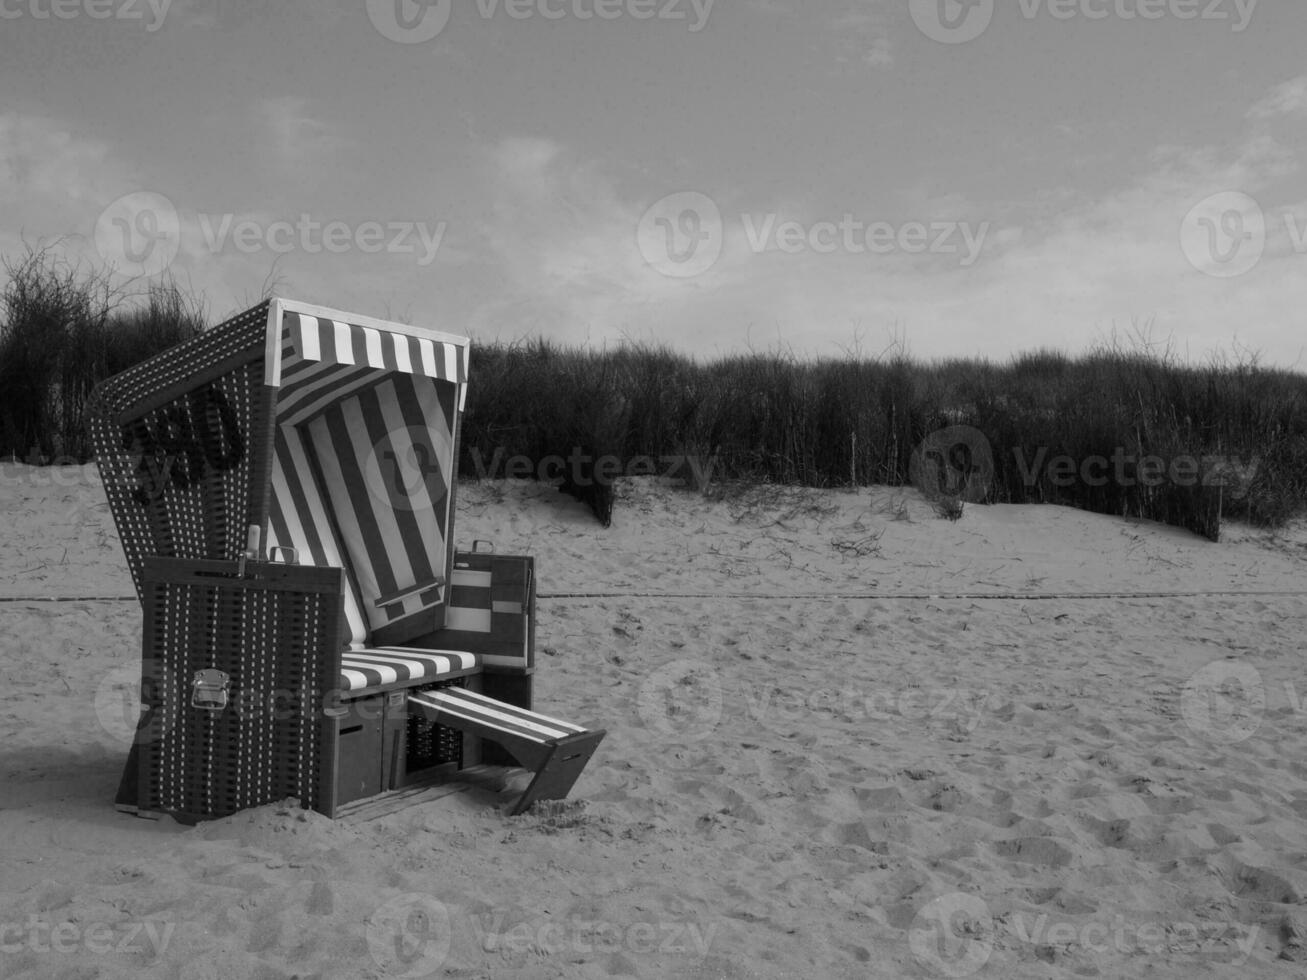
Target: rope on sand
column 814, row 596
column 917, row 595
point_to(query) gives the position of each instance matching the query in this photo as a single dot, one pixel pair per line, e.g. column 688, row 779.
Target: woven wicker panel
column 274, row 636
column 182, row 441
column 432, row 745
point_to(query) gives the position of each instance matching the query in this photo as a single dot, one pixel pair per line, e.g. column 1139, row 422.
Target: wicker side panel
column 184, row 478
column 181, row 441
column 278, row 649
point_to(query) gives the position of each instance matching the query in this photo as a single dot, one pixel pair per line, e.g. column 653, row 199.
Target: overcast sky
column 967, row 179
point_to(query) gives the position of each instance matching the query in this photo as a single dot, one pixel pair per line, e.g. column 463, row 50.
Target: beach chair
column 284, row 487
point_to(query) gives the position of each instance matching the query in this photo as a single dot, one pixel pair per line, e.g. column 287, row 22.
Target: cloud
column 1060, row 270
column 1283, row 100
column 299, row 140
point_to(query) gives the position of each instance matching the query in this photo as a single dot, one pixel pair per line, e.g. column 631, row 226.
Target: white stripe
column 388, row 674
column 309, row 336
column 372, row 343
column 465, row 660
column 344, row 347
column 491, row 709
column 474, row 696
column 468, row 620
column 470, row 579
column 457, row 709
column 428, row 357
column 402, row 360
column 451, row 363
column 354, row 680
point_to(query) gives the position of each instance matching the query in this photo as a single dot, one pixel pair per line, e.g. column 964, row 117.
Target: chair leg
column 555, row 778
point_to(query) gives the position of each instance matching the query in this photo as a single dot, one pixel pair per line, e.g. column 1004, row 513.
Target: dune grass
column 1123, row 429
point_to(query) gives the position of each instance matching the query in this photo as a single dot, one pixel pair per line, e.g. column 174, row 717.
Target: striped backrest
column 386, row 457
column 298, row 518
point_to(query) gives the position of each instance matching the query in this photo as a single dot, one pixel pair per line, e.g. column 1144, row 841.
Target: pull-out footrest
column 555, row 751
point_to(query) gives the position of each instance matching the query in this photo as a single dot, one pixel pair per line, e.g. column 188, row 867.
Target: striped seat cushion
column 461, row 709
column 371, row 670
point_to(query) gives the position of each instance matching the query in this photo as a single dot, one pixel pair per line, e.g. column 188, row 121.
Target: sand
column 802, row 777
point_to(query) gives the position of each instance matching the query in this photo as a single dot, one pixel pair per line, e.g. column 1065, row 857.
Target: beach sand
column 828, row 755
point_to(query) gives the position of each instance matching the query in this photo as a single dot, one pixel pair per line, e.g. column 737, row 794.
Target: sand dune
column 938, row 784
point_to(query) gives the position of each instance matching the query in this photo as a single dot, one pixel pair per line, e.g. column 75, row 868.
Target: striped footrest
column 371, row 671
column 555, row 750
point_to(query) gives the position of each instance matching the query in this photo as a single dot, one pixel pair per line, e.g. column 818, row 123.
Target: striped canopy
column 364, row 455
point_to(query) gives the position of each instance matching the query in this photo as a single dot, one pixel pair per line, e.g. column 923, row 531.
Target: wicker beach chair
column 284, row 489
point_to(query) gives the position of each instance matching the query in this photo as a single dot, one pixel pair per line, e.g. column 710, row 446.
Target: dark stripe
column 356, row 492
column 410, row 530
column 358, row 344
column 470, row 597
